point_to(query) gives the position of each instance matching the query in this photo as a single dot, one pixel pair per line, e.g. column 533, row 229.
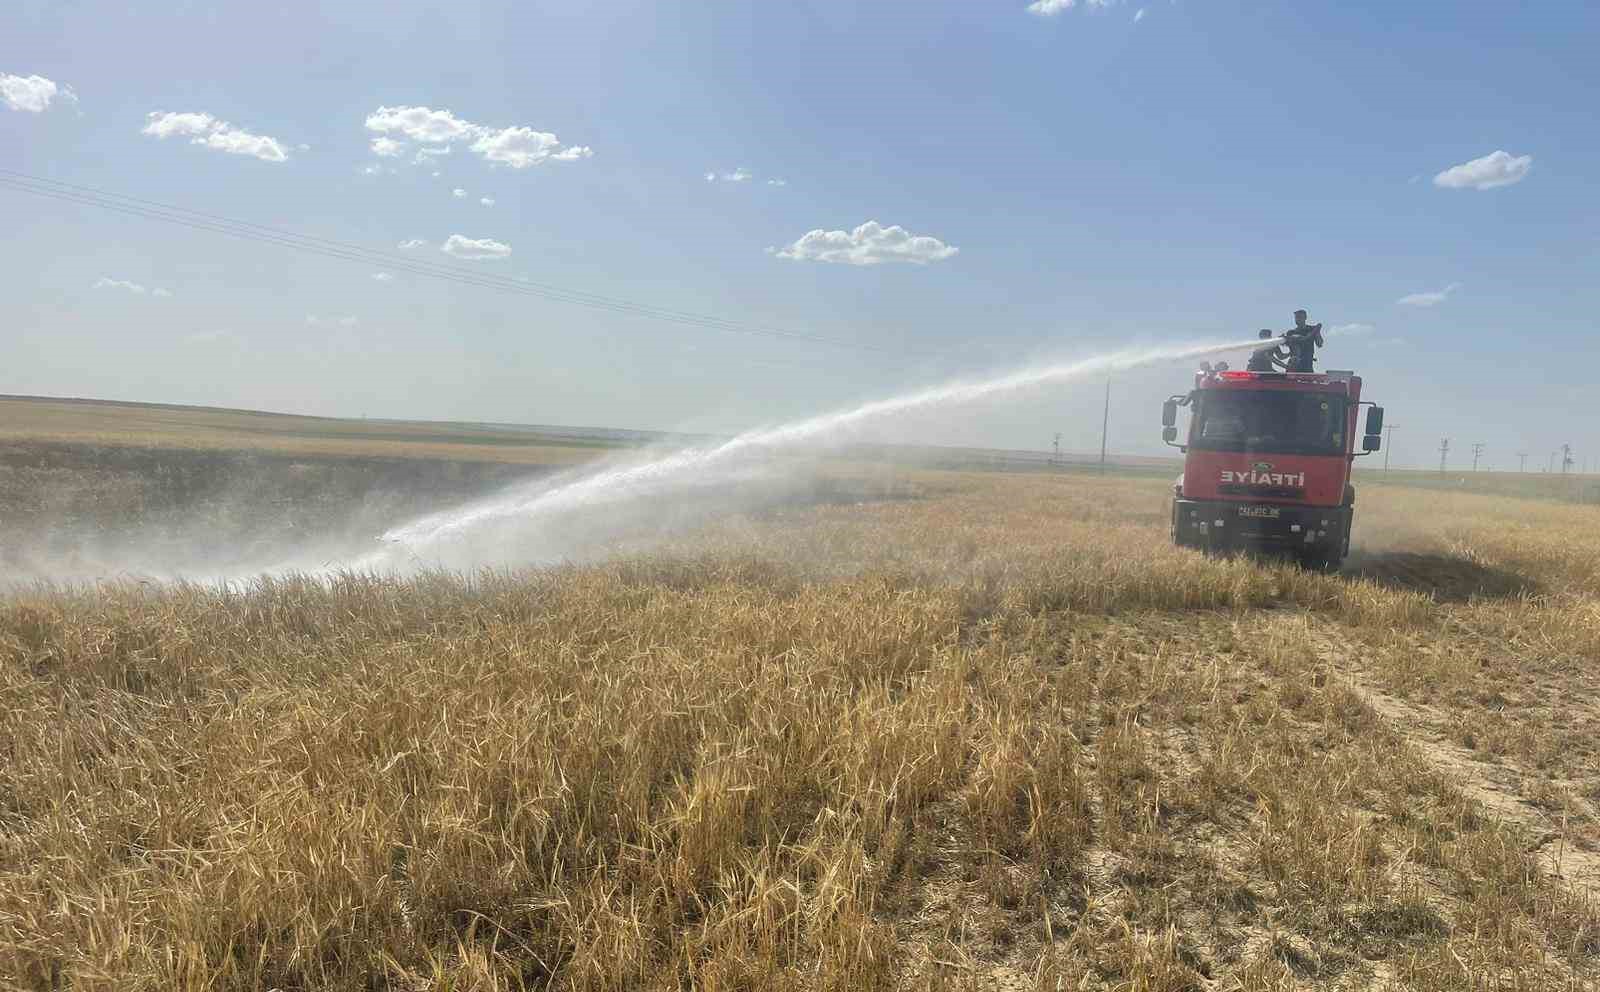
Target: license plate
column 1267, row 512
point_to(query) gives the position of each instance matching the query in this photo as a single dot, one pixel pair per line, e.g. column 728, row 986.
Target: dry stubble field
column 1002, row 736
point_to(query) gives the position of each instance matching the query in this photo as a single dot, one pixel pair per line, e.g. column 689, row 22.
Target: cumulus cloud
column 387, row 147
column 1050, row 8
column 203, row 129
column 869, row 244
column 32, row 93
column 739, row 175
column 410, row 243
column 383, row 276
column 474, row 248
column 777, row 182
column 487, row 201
column 315, row 321
column 1432, row 299
column 1138, row 15
column 1497, row 168
column 421, row 124
column 520, row 147
column 438, row 130
column 458, row 193
column 106, row 282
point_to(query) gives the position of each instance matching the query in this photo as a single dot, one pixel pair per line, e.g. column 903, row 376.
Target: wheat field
column 1002, row 736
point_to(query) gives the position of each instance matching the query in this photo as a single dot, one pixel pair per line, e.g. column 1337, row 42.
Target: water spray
column 531, row 506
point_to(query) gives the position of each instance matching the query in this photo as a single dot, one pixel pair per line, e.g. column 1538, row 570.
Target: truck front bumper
column 1221, row 525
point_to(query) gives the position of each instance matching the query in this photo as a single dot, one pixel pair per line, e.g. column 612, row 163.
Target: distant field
column 96, row 422
column 1570, row 488
column 25, row 419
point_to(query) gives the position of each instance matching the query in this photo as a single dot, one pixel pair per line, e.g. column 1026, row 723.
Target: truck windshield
column 1277, row 420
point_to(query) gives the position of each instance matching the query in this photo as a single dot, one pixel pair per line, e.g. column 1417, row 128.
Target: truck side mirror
column 1169, row 414
column 1169, row 434
column 1375, row 421
column 1372, row 442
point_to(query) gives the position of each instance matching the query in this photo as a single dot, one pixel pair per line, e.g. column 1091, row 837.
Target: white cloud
column 105, row 282
column 315, row 321
column 436, row 175
column 1050, row 8
column 1429, row 299
column 474, row 248
column 518, row 147
column 303, row 147
column 487, row 201
column 1351, row 329
column 168, row 125
column 1138, row 15
column 458, row 193
column 1497, row 168
column 383, row 277
column 237, row 142
column 869, row 244
column 777, row 182
column 739, row 175
column 427, row 153
column 387, row 147
column 410, row 243
column 32, row 93
column 421, row 124
column 203, row 129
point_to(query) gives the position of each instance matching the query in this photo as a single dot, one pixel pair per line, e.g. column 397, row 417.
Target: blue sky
column 1195, row 172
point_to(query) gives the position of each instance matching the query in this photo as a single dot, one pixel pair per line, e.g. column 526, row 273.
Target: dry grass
column 1001, row 738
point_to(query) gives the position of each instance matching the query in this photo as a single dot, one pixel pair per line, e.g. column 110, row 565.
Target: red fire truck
column 1267, row 463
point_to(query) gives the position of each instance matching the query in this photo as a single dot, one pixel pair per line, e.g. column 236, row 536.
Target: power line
column 345, row 251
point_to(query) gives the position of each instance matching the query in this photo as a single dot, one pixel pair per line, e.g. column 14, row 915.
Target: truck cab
column 1267, row 462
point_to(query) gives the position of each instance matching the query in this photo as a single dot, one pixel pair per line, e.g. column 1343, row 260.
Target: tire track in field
column 1496, row 786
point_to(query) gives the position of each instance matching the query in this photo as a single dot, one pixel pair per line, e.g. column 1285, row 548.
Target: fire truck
column 1267, row 462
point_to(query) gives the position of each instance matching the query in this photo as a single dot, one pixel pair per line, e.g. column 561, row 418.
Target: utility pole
column 1388, row 446
column 1105, row 424
column 1477, row 449
column 1522, row 466
column 1055, row 446
column 1444, row 449
column 1566, row 458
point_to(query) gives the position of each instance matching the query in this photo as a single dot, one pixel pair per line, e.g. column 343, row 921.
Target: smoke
column 576, row 515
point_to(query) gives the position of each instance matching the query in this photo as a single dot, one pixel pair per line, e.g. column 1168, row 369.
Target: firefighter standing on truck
column 1266, row 359
column 1303, row 341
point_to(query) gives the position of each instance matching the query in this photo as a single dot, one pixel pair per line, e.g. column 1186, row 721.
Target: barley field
column 1000, row 735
